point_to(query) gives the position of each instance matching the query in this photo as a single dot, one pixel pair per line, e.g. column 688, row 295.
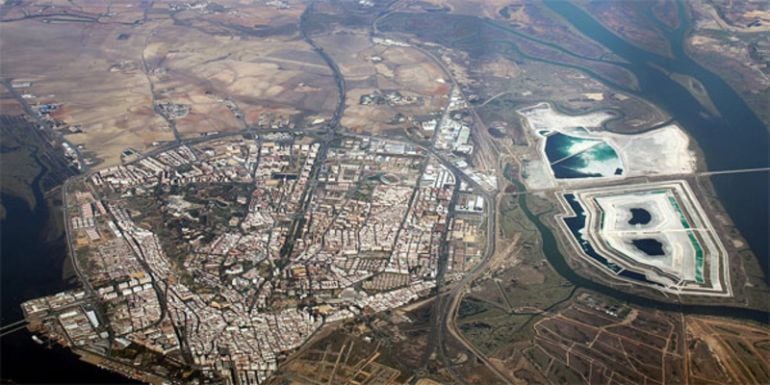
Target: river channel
column 735, row 140
column 33, row 253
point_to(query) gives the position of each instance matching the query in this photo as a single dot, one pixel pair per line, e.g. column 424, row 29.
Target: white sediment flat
column 663, row 151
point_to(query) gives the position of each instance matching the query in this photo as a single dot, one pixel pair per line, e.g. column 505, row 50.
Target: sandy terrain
column 543, row 117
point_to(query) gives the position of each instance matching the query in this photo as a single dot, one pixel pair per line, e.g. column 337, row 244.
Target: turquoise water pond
column 575, row 157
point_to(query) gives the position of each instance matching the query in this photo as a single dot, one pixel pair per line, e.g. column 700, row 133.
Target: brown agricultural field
column 595, row 341
column 372, row 68
column 109, row 66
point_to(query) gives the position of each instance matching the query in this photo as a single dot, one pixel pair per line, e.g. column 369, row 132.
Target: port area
column 573, row 150
column 651, row 234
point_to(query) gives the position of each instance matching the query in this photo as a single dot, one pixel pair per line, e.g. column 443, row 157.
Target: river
column 33, row 253
column 557, row 260
column 736, row 140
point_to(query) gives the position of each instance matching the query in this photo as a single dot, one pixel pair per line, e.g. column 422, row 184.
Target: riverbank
column 558, row 261
column 34, row 264
column 737, row 139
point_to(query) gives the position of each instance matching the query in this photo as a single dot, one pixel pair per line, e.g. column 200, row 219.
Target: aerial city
column 391, row 192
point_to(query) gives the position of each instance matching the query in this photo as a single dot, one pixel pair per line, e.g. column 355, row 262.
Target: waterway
column 735, row 140
column 32, row 255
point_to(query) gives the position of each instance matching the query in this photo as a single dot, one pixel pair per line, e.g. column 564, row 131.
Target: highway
column 444, row 315
column 445, row 321
column 12, row 325
column 736, row 171
column 333, row 125
column 71, row 248
column 563, row 189
column 13, row 329
column 338, row 78
column 447, row 301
